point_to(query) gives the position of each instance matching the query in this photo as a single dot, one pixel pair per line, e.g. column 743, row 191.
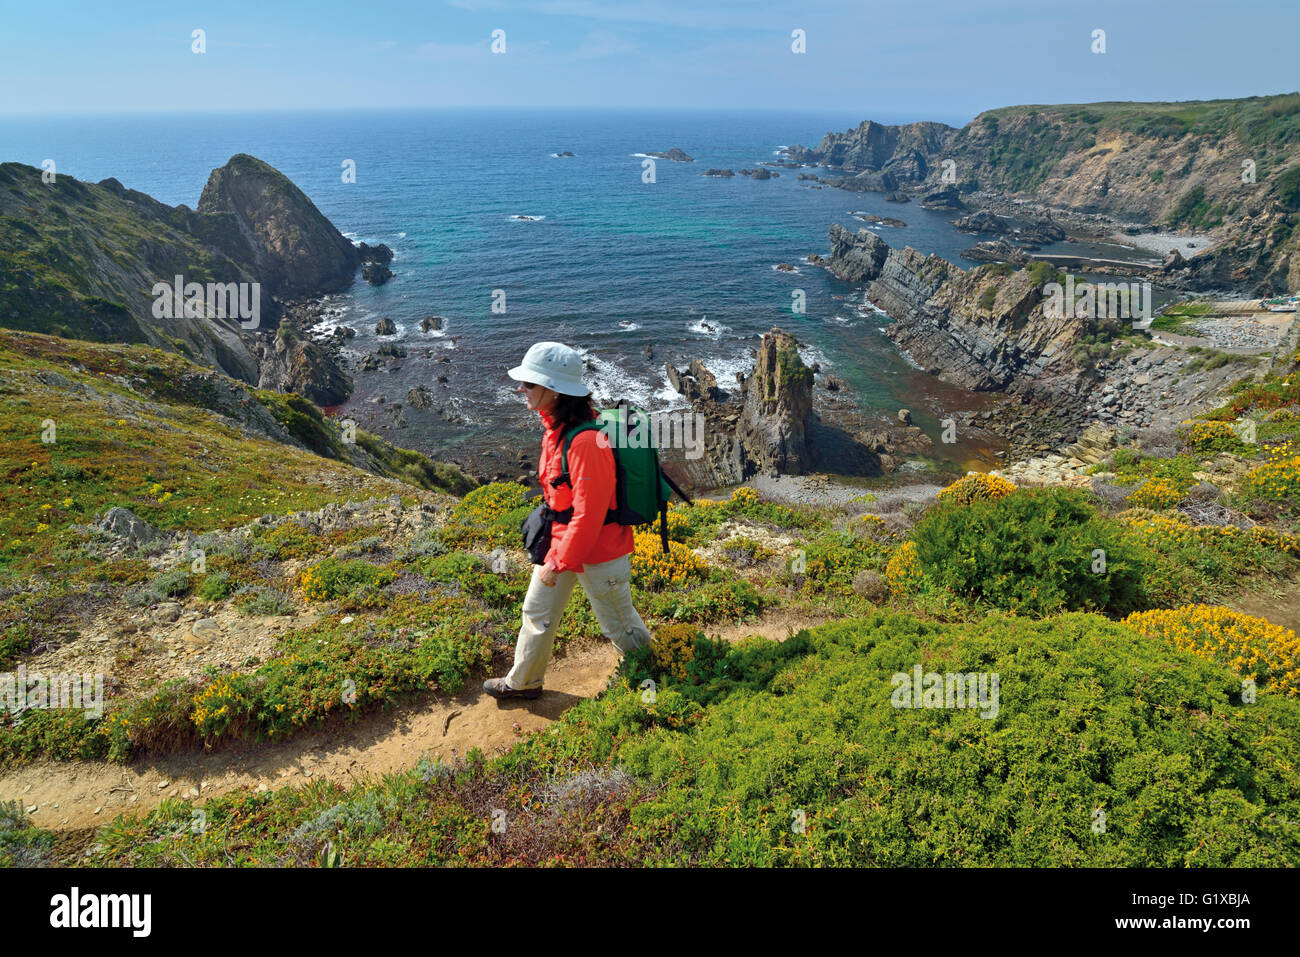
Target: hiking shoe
column 498, row 688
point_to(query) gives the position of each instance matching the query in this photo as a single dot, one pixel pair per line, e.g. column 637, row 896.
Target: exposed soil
column 76, row 795
column 80, row 794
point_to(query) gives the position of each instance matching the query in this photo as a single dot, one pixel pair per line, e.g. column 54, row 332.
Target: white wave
column 628, row 325
column 812, row 355
column 401, row 235
column 791, row 272
column 704, row 327
column 510, row 395
column 610, row 381
column 350, row 236
column 907, row 356
column 524, row 218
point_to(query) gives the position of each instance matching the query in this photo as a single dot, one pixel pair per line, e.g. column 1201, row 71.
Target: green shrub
column 333, row 578
column 218, row 585
column 259, row 600
column 1032, row 551
column 1090, row 717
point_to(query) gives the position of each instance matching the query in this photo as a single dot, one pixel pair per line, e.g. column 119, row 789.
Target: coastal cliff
column 82, row 261
column 1229, row 168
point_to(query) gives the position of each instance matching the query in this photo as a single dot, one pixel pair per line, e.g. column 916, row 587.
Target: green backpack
column 642, row 488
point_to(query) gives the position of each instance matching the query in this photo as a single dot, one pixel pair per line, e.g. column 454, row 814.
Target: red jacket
column 586, row 539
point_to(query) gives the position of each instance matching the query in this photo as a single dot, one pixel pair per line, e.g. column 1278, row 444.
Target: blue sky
column 923, row 59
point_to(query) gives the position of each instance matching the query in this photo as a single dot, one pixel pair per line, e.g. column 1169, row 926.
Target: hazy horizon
column 939, row 60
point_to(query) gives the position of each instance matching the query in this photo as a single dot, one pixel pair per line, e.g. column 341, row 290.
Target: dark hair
column 571, row 410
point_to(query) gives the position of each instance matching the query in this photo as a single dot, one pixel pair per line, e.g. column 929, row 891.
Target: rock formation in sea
column 674, row 154
column 767, row 423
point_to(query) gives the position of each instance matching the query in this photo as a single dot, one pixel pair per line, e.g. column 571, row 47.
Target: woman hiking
column 583, row 547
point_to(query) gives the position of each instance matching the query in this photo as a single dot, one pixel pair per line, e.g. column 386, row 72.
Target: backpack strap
column 566, row 516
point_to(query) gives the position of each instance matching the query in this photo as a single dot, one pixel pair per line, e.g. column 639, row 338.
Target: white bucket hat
column 554, row 365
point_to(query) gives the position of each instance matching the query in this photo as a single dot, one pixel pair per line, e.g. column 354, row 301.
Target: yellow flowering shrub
column 673, row 648
column 1253, row 647
column 221, row 702
column 488, row 503
column 1161, row 532
column 678, row 524
column 1276, row 480
column 904, row 573
column 651, row 568
column 1156, row 493
column 873, row 526
column 1208, row 438
column 1284, row 414
column 977, row 487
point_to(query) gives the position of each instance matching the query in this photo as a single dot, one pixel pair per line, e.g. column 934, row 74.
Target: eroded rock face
column 761, row 426
column 857, row 258
column 299, row 365
column 777, row 403
column 296, row 251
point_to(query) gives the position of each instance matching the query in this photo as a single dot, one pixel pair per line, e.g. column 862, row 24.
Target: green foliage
column 475, row 576
column 304, row 421
column 987, row 297
column 258, row 600
column 1192, row 209
column 334, row 578
column 21, row 843
column 724, row 597
column 1287, row 187
column 1032, row 551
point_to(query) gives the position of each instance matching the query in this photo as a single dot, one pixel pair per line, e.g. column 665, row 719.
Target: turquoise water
column 610, row 265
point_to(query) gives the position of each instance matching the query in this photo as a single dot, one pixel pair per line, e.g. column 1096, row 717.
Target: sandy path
column 80, row 794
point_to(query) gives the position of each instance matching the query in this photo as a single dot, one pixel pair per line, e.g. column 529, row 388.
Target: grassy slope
column 737, row 740
column 93, row 259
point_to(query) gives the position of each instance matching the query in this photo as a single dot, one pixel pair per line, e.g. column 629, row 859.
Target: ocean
column 581, row 249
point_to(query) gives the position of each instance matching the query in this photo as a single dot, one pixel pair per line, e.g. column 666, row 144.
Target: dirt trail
column 80, row 794
column 71, row 795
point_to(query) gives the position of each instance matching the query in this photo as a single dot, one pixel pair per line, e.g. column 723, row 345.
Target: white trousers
column 609, row 588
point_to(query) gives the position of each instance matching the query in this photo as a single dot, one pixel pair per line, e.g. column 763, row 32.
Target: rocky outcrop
column 1036, row 231
column 944, row 200
column 857, row 258
column 996, row 251
column 254, row 232
column 876, row 146
column 376, row 273
column 385, row 327
column 979, row 329
column 759, row 173
column 769, row 423
column 777, row 402
column 674, row 154
column 880, row 220
column 1157, row 164
column 271, row 224
column 762, row 427
column 718, row 172
column 291, row 364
